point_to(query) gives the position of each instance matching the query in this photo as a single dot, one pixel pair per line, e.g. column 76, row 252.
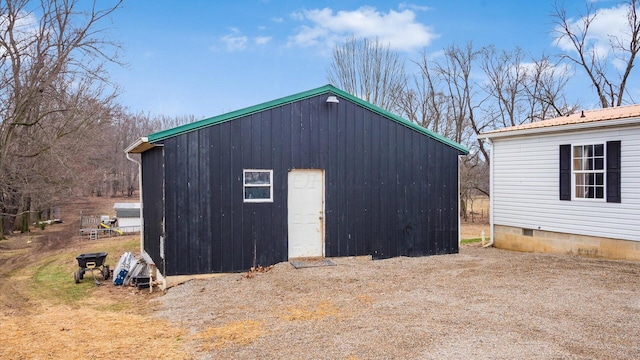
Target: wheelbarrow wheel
column 76, row 277
column 106, row 272
column 81, row 274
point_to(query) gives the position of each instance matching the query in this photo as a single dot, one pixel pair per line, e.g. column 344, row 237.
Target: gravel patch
column 481, row 304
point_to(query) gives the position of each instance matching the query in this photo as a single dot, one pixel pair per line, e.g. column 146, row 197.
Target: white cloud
column 277, row 20
column 25, row 28
column 234, row 41
column 608, row 24
column 405, row 5
column 261, row 40
column 547, row 69
column 399, row 29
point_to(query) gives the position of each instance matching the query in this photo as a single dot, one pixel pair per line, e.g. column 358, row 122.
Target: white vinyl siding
column 526, row 186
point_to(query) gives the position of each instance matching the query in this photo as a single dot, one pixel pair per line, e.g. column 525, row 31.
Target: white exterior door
column 306, row 213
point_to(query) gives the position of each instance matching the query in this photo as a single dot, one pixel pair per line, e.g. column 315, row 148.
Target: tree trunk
column 26, row 215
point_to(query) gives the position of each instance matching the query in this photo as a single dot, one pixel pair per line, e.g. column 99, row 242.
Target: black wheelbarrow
column 89, row 263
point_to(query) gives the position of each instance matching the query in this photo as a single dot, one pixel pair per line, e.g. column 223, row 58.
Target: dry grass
column 235, row 333
column 83, row 332
column 44, row 315
column 470, row 230
column 310, row 312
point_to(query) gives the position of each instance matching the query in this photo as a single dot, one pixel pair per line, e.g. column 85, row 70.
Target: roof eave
column 560, row 128
column 139, row 146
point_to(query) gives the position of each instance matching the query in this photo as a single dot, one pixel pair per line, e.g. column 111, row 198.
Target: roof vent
column 582, row 114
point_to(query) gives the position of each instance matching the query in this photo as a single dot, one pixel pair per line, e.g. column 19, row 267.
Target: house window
column 591, row 172
column 258, row 185
column 588, row 171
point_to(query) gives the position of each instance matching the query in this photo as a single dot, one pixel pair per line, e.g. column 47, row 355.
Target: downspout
column 490, row 194
column 459, row 231
column 141, row 203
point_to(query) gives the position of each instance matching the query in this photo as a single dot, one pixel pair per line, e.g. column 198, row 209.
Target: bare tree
column 505, row 84
column 521, row 91
column 607, row 68
column 424, row 102
column 369, row 70
column 544, row 90
column 53, row 87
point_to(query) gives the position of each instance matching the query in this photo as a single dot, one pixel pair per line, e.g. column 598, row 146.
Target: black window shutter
column 565, row 172
column 613, row 172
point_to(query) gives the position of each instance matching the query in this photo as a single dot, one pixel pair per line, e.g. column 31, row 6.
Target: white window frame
column 575, row 172
column 245, row 186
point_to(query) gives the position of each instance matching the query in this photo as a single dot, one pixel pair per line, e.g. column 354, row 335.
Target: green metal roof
column 164, row 134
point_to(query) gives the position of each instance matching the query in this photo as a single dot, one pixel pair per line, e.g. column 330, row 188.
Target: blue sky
column 205, row 58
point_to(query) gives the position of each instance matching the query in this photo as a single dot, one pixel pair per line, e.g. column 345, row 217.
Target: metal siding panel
column 335, row 135
column 380, row 246
column 392, row 193
column 325, row 157
column 287, row 136
column 348, row 244
column 424, row 196
column 193, row 194
column 315, row 118
column 303, row 146
column 280, row 166
column 454, row 215
column 267, row 243
column 236, row 194
column 171, row 246
column 408, row 221
column 431, row 197
column 204, row 201
column 436, row 205
column 216, row 207
column 244, row 227
column 451, row 160
column 181, row 240
column 296, row 136
column 401, row 205
column 152, row 194
column 371, row 186
column 358, row 187
column 416, row 205
column 226, row 195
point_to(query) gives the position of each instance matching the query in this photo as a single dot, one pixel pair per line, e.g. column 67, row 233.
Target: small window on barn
column 258, row 185
column 588, row 171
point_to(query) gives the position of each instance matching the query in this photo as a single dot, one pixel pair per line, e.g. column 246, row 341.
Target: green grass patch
column 53, row 279
column 470, row 241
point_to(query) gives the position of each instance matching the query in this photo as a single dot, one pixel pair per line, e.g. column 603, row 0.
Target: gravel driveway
column 479, row 304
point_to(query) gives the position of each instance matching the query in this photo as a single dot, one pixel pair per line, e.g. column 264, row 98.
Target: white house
column 568, row 185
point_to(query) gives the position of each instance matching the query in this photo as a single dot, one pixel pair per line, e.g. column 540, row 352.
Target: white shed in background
column 128, row 215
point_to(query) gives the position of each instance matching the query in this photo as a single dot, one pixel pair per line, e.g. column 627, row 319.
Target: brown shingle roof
column 619, row 112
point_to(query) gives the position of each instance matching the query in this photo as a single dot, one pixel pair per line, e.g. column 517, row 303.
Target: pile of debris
column 132, row 272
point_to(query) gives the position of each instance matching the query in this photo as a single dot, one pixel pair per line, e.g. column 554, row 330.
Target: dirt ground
column 473, row 230
column 481, row 303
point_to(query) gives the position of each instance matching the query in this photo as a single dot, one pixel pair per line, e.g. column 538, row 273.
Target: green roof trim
column 164, row 134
